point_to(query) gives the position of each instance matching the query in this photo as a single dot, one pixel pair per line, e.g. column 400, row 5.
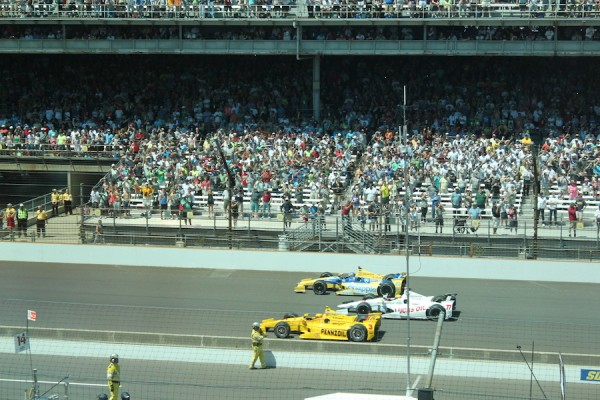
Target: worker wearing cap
column 54, row 199
column 22, row 218
column 113, row 374
column 257, row 342
column 40, row 219
column 68, row 202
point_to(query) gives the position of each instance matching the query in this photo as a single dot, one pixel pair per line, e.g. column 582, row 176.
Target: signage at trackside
column 590, row 375
column 21, row 342
column 31, row 315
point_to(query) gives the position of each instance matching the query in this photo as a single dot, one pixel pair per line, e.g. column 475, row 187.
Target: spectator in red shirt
column 572, row 211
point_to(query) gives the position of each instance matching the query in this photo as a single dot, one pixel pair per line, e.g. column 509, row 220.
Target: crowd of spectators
column 165, row 122
column 504, row 33
column 356, row 9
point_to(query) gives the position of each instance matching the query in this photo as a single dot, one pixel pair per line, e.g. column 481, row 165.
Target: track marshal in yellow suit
column 113, row 374
column 257, row 346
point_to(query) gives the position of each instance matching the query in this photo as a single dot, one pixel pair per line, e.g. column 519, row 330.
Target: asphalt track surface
column 495, row 315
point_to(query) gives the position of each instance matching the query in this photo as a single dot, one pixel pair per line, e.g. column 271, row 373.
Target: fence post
column 81, row 197
column 147, row 215
column 180, row 232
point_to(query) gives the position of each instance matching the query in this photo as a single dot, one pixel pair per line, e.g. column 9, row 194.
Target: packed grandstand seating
column 355, row 9
column 321, row 33
column 468, row 129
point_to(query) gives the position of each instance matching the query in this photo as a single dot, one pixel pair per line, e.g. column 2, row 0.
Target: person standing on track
column 113, row 374
column 257, row 342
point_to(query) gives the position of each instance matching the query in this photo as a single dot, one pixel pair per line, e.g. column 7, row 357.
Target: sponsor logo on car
column 333, row 332
column 361, row 288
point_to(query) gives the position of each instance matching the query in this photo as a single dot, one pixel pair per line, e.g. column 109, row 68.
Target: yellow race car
column 355, row 284
column 331, row 325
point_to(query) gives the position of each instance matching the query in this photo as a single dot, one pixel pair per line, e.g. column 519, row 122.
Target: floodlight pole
column 407, row 195
column 230, row 184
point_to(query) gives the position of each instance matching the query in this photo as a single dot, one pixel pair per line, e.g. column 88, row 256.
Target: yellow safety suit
column 68, row 203
column 54, row 198
column 41, row 217
column 257, row 350
column 113, row 374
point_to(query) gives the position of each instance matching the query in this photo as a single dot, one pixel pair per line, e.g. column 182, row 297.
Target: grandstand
column 197, row 103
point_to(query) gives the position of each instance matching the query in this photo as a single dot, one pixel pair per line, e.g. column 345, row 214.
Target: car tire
column 389, row 277
column 386, row 289
column 434, row 311
column 357, row 333
column 363, row 308
column 290, row 315
column 320, row 287
column 282, row 330
column 326, row 275
column 369, row 296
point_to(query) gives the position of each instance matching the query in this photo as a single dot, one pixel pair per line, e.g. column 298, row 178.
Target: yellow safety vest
column 113, row 373
column 257, row 337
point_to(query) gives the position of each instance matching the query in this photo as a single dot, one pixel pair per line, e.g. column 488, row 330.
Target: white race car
column 421, row 307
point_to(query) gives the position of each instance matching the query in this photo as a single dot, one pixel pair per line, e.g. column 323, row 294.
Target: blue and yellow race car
column 355, row 284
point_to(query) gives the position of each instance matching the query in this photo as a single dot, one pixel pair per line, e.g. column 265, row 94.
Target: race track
column 495, row 314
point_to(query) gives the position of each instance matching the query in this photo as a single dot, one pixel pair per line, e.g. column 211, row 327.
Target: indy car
column 331, row 325
column 355, row 284
column 421, row 307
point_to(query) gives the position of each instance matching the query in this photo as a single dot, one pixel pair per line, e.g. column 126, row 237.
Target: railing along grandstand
column 53, row 152
column 177, row 9
column 385, row 235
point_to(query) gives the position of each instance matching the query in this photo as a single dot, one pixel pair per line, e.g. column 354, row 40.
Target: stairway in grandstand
column 360, row 240
column 356, row 239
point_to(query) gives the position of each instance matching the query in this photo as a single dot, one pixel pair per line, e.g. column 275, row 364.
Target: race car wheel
column 389, row 277
column 363, row 308
column 357, row 333
column 326, row 275
column 290, row 315
column 438, row 299
column 320, row 287
column 434, row 312
column 369, row 296
column 282, row 330
column 386, row 289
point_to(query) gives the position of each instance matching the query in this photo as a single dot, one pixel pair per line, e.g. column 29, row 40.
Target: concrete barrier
column 434, row 267
column 292, row 345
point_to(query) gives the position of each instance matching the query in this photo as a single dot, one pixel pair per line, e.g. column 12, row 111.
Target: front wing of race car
column 319, row 285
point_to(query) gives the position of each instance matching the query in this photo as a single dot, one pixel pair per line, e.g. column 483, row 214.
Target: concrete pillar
column 317, row 88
